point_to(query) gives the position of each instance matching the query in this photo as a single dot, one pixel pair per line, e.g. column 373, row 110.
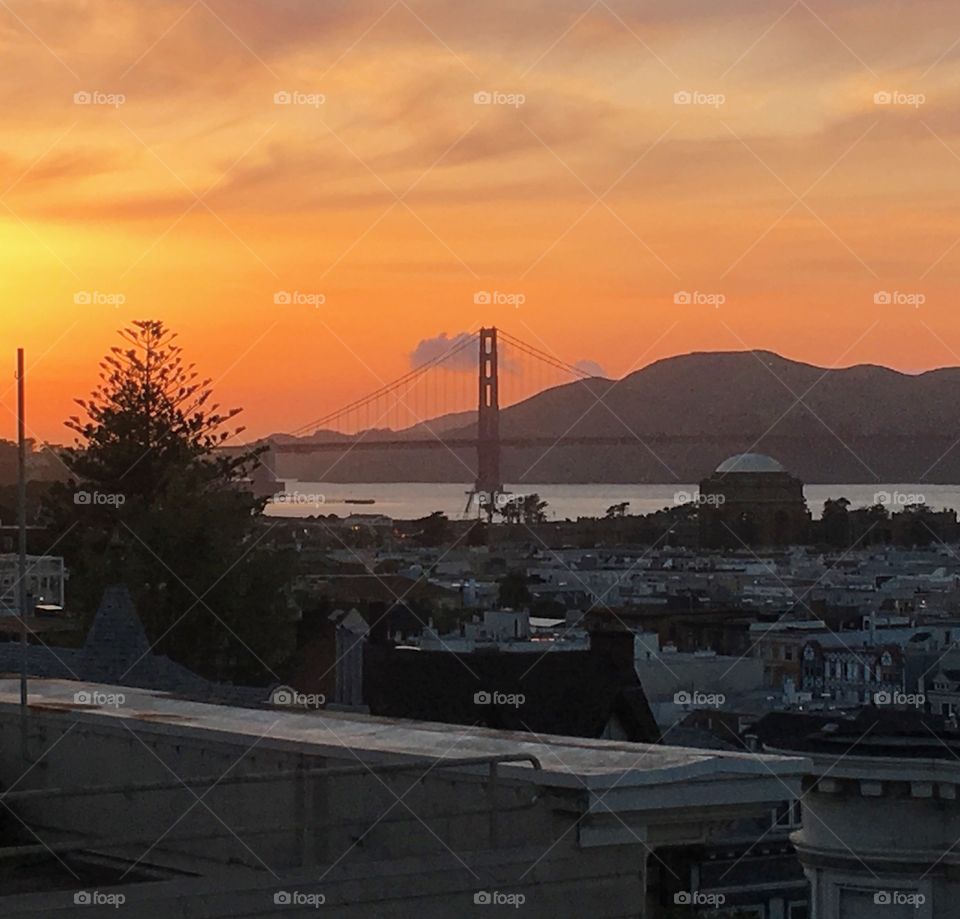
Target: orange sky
column 796, row 196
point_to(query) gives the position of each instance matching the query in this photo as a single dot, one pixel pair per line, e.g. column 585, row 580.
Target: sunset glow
column 228, row 150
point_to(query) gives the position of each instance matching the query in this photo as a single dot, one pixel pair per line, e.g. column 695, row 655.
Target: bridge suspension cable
column 544, row 357
column 402, row 385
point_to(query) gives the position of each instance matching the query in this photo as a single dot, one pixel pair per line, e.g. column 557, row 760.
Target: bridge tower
column 489, row 482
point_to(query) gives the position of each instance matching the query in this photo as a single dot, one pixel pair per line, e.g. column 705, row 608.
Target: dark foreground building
column 568, row 693
column 136, row 803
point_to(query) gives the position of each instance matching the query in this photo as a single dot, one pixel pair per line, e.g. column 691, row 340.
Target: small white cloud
column 430, row 349
column 591, row 367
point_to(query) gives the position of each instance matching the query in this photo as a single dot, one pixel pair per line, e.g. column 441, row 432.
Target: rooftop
column 565, row 761
column 905, row 734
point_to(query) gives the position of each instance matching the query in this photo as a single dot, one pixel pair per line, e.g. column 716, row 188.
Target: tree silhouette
column 156, row 503
column 835, row 522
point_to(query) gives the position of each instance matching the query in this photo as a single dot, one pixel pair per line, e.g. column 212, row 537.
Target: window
column 787, row 814
column 798, row 910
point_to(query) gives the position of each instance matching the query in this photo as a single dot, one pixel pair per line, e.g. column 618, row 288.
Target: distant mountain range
column 682, row 416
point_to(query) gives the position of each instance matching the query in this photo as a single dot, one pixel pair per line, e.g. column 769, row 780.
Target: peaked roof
column 116, row 640
column 952, row 675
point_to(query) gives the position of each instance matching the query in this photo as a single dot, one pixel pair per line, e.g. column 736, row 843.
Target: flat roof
column 566, row 761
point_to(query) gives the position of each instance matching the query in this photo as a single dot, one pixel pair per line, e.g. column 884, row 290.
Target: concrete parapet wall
column 426, row 856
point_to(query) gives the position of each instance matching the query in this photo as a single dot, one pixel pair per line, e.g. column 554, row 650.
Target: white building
column 46, row 579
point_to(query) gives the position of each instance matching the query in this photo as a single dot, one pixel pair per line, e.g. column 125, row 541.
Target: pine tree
column 158, row 502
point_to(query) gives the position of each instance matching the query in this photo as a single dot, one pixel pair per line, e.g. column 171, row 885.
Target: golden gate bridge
column 452, row 400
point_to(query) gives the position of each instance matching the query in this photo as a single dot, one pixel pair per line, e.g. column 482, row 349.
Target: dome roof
column 750, row 462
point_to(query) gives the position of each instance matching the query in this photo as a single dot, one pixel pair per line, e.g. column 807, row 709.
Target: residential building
column 880, row 821
column 46, row 581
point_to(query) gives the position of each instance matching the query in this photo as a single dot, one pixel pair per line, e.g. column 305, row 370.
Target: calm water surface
column 408, row 500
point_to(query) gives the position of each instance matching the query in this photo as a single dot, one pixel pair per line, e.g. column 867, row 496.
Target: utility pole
column 22, row 527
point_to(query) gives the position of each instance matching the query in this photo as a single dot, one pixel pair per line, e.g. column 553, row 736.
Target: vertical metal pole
column 493, row 799
column 304, row 816
column 22, row 526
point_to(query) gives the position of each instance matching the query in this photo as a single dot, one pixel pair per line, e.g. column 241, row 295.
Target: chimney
column 616, row 644
column 351, row 632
